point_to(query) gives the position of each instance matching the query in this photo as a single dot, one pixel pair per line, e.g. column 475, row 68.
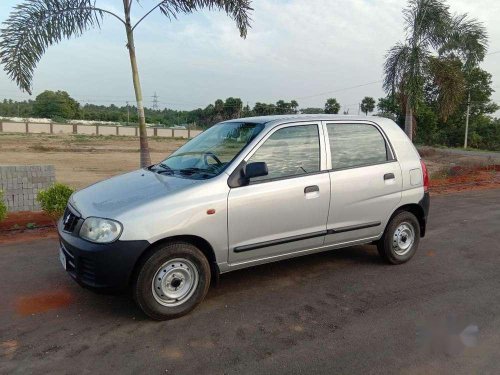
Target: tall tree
column 50, row 104
column 286, row 108
column 389, row 107
column 312, row 110
column 332, row 106
column 35, row 25
column 282, row 107
column 431, row 32
column 367, row 105
column 263, row 109
column 449, row 84
column 232, row 108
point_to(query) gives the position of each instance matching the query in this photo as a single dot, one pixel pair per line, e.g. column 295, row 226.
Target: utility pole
column 467, row 121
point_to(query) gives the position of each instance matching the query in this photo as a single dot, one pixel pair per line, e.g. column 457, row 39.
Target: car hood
column 110, row 198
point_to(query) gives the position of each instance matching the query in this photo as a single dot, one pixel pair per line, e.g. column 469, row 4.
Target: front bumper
column 100, row 266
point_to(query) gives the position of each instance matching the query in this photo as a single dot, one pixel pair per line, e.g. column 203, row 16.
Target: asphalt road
column 337, row 312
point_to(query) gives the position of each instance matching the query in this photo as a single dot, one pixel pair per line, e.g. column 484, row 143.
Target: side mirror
column 256, row 169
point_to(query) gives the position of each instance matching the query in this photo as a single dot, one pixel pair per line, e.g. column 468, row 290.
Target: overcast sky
column 307, row 50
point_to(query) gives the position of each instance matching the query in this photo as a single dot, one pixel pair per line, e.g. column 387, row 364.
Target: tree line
column 60, row 106
column 433, row 129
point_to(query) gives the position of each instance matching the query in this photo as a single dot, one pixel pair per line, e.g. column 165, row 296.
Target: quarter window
column 290, row 151
column 354, row 145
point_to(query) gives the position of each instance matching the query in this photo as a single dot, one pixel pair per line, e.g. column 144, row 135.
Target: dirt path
column 470, row 153
column 81, row 160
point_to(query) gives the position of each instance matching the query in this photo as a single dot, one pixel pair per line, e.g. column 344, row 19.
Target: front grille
column 87, row 269
column 81, row 266
column 69, row 221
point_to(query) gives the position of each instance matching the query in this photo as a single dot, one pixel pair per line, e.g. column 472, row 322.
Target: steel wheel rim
column 175, row 282
column 403, row 238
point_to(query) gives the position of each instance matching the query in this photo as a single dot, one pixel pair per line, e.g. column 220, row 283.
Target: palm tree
column 35, row 25
column 367, row 105
column 332, row 106
column 433, row 35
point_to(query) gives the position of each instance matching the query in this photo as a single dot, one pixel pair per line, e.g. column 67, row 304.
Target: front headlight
column 100, row 230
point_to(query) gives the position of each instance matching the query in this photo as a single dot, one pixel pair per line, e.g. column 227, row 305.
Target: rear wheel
column 172, row 281
column 401, row 238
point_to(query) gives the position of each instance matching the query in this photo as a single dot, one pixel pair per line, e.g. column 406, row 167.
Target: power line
column 339, row 90
column 361, row 85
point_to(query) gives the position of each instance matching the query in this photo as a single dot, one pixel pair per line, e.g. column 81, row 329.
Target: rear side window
column 289, row 152
column 354, row 145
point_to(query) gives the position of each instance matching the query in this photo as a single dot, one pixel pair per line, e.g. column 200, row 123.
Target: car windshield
column 211, row 152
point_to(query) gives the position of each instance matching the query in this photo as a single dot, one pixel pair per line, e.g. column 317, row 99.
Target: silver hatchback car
column 245, row 192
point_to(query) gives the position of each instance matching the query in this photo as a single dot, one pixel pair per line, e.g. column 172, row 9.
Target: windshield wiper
column 193, row 170
column 166, row 169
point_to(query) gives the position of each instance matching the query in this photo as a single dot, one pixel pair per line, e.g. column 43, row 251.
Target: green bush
column 54, row 199
column 59, row 120
column 3, row 207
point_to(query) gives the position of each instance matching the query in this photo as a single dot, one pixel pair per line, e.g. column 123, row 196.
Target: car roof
column 282, row 119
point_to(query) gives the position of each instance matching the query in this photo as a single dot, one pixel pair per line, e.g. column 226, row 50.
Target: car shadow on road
column 300, row 268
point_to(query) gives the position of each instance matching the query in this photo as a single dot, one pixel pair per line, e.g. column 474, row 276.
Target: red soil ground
column 14, row 227
column 482, row 178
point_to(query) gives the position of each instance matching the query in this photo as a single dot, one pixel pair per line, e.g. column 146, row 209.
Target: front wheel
column 172, row 281
column 401, row 238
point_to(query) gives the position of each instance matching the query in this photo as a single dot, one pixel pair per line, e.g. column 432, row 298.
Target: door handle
column 389, row 176
column 311, row 189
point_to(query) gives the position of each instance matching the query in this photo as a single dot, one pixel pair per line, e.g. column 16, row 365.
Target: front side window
column 354, row 145
column 211, row 152
column 290, row 151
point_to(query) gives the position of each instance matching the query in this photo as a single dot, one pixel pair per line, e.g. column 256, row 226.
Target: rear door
column 285, row 211
column 365, row 179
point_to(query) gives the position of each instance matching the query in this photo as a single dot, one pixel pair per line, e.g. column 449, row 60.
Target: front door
column 285, row 211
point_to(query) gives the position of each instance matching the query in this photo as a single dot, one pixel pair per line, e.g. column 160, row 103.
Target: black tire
column 388, row 247
column 179, row 253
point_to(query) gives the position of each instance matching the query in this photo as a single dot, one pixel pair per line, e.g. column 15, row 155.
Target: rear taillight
column 425, row 175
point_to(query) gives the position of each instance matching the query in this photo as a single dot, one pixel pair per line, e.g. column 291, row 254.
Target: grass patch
column 441, row 174
column 162, row 139
column 427, row 152
column 467, row 149
column 31, row 226
column 81, row 138
column 42, row 148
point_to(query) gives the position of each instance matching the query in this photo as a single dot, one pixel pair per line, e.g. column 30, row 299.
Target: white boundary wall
column 52, row 128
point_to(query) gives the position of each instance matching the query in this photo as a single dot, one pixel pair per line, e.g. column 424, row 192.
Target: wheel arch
column 416, row 210
column 202, row 244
